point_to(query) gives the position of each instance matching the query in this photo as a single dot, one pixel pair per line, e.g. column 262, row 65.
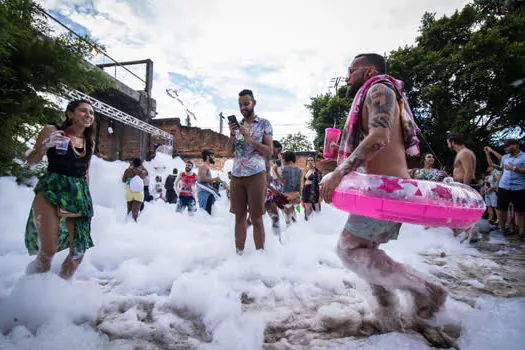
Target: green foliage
column 466, row 73
column 463, row 74
column 34, row 66
column 327, row 111
column 296, row 143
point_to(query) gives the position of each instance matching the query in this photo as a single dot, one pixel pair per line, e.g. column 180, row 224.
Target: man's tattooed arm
column 381, row 104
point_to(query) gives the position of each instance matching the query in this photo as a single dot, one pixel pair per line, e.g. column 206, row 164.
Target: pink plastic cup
column 331, row 138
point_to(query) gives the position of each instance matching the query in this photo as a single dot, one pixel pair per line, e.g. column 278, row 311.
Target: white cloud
column 305, row 42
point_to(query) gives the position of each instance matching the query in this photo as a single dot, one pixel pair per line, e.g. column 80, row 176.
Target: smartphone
column 233, row 119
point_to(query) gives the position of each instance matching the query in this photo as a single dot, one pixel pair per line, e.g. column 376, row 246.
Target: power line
column 336, row 81
column 90, row 43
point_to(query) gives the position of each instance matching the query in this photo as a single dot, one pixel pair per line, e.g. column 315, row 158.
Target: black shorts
column 310, row 194
column 505, row 197
column 171, row 196
column 307, row 193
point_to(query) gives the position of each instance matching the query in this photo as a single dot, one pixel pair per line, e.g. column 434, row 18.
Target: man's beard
column 351, row 90
column 212, row 161
column 247, row 112
column 188, row 170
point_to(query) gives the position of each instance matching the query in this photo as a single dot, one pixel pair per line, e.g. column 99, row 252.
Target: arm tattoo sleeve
column 381, row 102
column 366, row 150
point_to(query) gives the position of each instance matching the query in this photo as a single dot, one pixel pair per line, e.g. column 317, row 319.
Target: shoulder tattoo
column 381, row 102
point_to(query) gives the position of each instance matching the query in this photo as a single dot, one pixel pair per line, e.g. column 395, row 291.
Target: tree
column 327, row 111
column 33, row 66
column 296, row 143
column 464, row 74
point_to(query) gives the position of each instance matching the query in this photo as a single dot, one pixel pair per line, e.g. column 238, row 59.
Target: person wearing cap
column 511, row 184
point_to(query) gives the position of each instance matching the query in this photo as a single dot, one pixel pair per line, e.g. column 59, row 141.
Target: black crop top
column 310, row 178
column 67, row 164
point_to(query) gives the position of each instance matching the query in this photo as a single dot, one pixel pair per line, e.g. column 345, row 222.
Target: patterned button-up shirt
column 248, row 161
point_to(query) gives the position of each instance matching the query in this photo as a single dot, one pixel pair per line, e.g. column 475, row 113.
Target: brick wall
column 126, row 141
column 130, row 145
column 107, row 143
column 190, row 141
column 123, row 144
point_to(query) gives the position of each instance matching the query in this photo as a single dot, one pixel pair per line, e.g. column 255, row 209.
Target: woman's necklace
column 76, row 153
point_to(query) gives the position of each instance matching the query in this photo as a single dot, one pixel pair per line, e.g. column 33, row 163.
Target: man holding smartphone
column 248, row 182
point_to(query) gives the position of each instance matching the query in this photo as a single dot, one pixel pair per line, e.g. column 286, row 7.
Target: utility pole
column 335, row 81
column 221, row 118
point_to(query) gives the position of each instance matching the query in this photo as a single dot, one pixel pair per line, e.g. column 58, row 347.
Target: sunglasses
column 353, row 70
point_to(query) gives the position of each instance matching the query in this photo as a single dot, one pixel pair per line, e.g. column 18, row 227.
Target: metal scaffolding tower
column 124, row 118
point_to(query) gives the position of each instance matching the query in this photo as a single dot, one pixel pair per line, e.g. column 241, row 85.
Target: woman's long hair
column 89, row 132
column 425, row 157
column 306, row 165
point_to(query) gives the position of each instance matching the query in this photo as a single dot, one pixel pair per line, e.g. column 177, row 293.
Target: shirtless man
column 205, row 190
column 465, row 162
column 274, row 188
column 464, row 172
column 382, row 151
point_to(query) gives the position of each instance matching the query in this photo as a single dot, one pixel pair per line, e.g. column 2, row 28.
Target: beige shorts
column 134, row 196
column 247, row 194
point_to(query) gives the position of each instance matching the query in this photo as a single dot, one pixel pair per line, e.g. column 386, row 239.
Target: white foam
column 187, row 266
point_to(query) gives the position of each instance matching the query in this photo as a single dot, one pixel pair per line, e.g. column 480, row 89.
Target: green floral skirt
column 71, row 194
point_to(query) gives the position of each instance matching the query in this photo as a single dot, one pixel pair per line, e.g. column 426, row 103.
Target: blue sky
column 207, row 50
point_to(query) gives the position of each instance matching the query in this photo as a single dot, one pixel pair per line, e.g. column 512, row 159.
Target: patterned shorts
column 375, row 230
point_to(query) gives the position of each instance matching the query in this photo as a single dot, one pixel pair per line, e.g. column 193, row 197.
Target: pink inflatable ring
column 407, row 200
